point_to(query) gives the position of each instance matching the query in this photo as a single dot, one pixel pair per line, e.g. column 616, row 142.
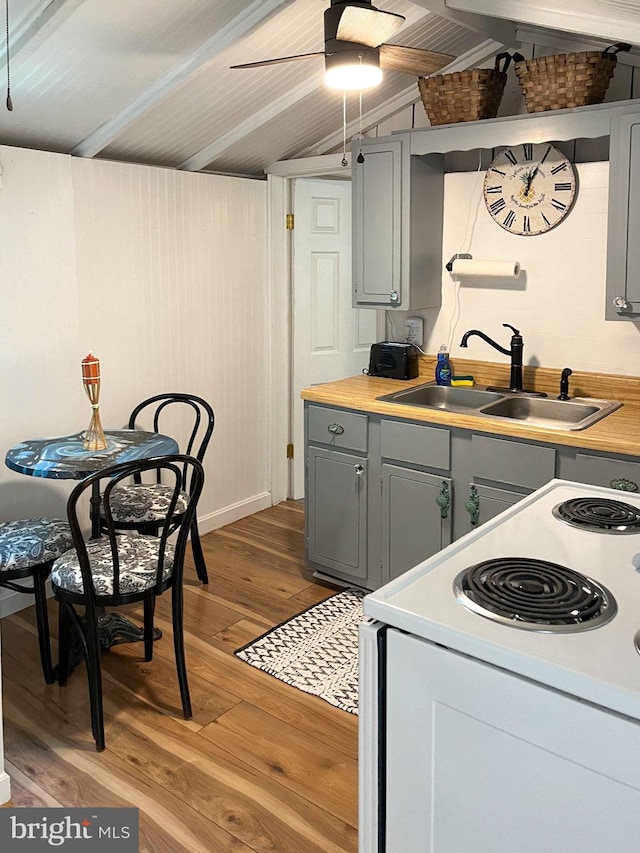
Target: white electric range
column 500, row 686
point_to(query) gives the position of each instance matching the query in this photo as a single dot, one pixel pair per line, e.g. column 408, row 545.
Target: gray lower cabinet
column 484, row 503
column 336, row 514
column 497, row 473
column 385, row 494
column 599, row 469
column 416, row 517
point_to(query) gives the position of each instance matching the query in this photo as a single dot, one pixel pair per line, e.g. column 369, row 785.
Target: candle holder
column 94, row 436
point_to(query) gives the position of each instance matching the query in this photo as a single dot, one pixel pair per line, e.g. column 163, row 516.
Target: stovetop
column 598, row 663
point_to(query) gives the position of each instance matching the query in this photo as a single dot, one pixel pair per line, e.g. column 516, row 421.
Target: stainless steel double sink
column 575, row 414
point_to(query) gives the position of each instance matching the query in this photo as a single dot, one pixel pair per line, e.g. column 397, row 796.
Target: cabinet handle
column 620, row 303
column 623, row 485
column 336, row 429
column 394, row 296
column 472, row 505
column 359, row 469
column 443, row 499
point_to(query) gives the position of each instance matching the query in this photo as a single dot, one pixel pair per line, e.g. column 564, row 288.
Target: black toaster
column 395, row 361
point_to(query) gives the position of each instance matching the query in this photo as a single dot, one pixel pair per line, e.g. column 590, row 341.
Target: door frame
column 280, row 177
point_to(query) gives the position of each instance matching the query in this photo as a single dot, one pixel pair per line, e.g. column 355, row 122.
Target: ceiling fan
column 355, row 50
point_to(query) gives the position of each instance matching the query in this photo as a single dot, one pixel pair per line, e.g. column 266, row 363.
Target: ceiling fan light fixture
column 352, row 70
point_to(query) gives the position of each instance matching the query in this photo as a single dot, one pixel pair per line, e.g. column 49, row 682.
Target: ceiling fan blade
column 367, row 26
column 412, row 60
column 276, row 61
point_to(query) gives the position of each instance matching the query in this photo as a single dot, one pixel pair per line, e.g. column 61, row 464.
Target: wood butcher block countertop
column 618, row 432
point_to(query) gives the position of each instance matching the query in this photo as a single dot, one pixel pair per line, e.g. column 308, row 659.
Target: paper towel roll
column 489, row 269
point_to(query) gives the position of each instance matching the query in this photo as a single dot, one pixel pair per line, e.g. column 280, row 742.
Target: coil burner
column 600, row 515
column 534, row 595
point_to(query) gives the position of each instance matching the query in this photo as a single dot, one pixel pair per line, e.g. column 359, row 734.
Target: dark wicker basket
column 567, row 79
column 464, row 95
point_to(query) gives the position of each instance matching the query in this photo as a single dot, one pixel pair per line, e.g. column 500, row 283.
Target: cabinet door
column 484, row 503
column 416, row 518
column 336, row 512
column 623, row 247
column 377, row 234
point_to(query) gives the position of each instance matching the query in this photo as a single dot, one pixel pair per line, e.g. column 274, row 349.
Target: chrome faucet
column 515, row 352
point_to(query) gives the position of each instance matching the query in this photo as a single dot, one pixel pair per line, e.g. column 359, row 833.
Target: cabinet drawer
column 601, row 471
column 337, row 428
column 417, row 444
column 512, row 462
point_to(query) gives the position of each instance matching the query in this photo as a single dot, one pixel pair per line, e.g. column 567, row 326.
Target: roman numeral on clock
column 558, row 204
column 496, row 189
column 548, row 224
column 565, row 185
column 509, row 219
column 498, row 171
column 511, row 157
column 526, row 228
column 527, row 151
column 497, row 206
column 559, row 168
column 546, row 154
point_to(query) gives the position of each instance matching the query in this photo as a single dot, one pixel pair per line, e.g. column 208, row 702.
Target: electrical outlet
column 413, row 330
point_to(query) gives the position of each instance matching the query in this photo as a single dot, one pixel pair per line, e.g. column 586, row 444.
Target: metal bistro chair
column 118, row 569
column 28, row 548
column 139, row 506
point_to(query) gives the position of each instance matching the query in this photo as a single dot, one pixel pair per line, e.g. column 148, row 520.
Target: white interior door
column 331, row 339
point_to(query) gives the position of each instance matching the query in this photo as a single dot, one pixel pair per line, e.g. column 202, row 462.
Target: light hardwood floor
column 260, row 767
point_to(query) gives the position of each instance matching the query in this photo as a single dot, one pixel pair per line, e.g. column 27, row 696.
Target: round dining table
column 64, row 458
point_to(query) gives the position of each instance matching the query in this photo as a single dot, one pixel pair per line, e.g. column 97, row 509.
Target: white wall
column 162, row 274
column 559, row 300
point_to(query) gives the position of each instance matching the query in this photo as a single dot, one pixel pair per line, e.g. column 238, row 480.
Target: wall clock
column 530, row 188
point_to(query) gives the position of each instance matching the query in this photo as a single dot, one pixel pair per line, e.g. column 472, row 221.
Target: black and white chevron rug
column 315, row 651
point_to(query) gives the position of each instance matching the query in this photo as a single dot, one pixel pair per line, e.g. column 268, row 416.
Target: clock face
column 530, row 188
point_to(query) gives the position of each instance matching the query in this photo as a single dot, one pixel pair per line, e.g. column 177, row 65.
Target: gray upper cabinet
column 398, row 198
column 397, row 226
column 623, row 246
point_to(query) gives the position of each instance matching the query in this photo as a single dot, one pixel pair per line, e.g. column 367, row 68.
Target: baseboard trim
column 234, row 512
column 11, row 601
column 5, row 788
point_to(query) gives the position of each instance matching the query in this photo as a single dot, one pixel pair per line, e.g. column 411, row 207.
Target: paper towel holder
column 466, row 257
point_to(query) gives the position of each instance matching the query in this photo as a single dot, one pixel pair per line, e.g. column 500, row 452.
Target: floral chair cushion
column 138, row 565
column 32, row 541
column 137, row 503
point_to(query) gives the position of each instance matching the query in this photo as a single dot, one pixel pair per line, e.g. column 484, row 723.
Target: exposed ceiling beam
column 492, row 28
column 27, row 35
column 190, row 66
column 611, row 21
column 471, row 59
column 206, row 155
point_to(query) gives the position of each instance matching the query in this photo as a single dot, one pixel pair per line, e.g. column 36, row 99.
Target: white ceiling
column 148, row 81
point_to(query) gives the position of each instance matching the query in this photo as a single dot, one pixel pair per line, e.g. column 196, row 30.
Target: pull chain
column 345, row 162
column 360, row 157
column 9, row 101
